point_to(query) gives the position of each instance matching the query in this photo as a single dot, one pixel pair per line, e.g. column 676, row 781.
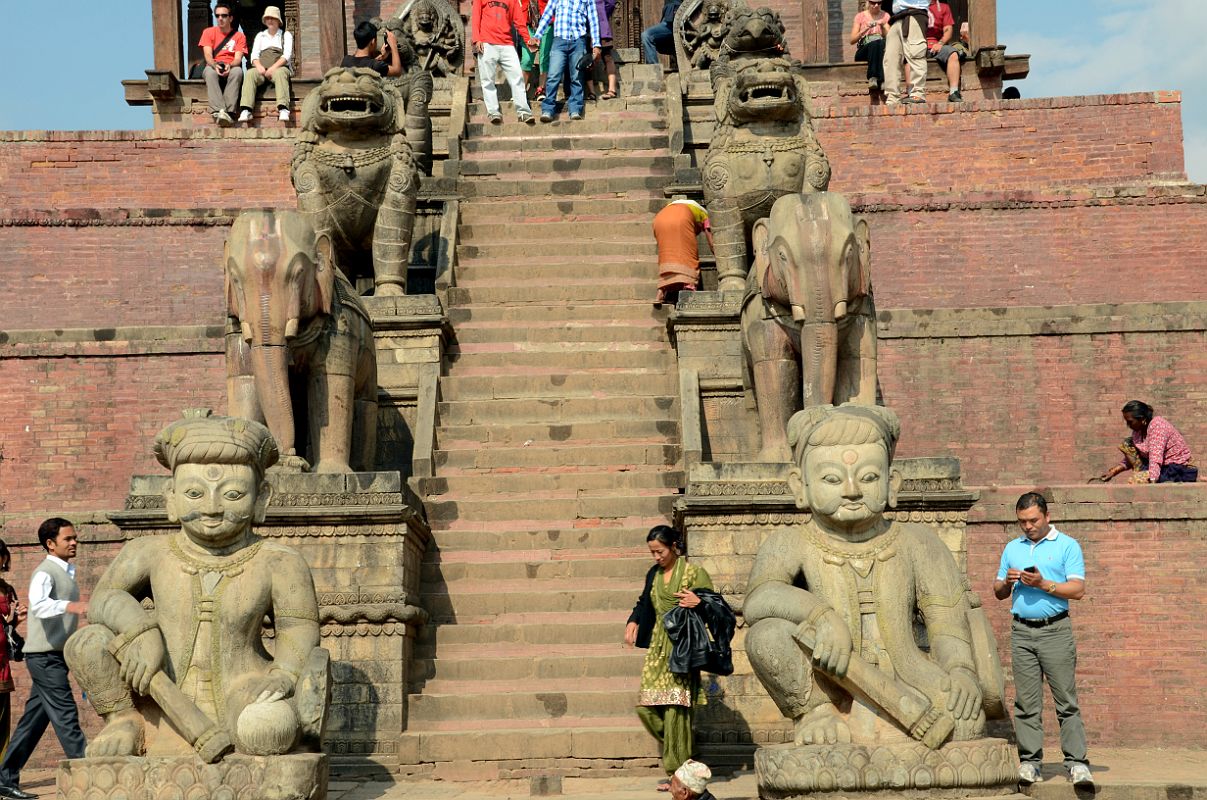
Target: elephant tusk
column 246, row 329
column 840, row 309
column 291, row 328
column 798, row 313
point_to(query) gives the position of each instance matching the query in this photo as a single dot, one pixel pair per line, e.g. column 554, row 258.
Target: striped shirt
column 571, row 19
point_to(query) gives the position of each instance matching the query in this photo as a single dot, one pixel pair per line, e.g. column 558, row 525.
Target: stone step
column 561, row 137
column 555, row 410
column 569, row 454
column 542, row 504
column 593, row 122
column 536, row 665
column 518, row 705
column 569, row 290
column 553, row 361
column 560, row 385
column 564, row 738
column 530, row 596
column 653, row 105
column 490, row 684
column 623, row 564
column 508, row 483
column 546, row 209
column 651, row 161
column 626, row 250
column 595, row 628
column 570, row 537
column 455, row 437
column 615, row 226
column 648, row 331
column 496, row 273
column 632, row 182
column 613, row 312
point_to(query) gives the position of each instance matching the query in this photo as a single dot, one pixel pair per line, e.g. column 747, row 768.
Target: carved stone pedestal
column 291, row 777
column 960, row 769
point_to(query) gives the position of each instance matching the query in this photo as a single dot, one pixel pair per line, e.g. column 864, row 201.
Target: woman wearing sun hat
column 271, row 59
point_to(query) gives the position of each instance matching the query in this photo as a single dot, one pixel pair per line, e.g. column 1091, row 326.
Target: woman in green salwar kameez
column 667, row 700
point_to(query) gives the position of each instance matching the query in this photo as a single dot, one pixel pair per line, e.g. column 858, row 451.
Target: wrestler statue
column 831, row 608
column 194, row 674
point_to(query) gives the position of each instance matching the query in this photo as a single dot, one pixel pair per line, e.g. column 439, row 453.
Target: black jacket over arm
column 643, row 613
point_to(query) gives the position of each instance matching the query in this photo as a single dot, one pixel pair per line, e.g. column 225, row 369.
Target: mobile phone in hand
column 1032, row 569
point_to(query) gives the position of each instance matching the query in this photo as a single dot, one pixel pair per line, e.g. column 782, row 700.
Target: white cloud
column 1118, row 47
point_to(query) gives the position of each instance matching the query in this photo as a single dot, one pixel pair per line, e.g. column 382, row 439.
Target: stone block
column 236, row 777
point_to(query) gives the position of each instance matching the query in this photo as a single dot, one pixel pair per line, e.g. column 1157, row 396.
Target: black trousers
column 50, row 701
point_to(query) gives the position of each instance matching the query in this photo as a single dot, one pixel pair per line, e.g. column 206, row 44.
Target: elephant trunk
column 270, row 365
column 814, row 308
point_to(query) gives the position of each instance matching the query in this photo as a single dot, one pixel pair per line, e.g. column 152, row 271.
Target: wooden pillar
column 199, row 20
column 815, row 31
column 982, row 19
column 166, row 22
column 333, row 35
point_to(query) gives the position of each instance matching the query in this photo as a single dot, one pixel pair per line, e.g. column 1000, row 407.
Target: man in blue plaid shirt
column 572, row 20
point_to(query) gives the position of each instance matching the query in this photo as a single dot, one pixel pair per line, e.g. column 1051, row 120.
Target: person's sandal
column 608, row 95
column 664, row 785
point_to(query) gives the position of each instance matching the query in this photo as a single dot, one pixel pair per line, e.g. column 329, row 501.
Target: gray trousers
column 1039, row 653
column 223, row 96
column 50, row 703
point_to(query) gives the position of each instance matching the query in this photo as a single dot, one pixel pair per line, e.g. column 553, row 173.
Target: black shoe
column 13, row 793
column 955, row 96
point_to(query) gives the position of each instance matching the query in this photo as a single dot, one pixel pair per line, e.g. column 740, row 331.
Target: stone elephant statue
column 300, row 355
column 808, row 319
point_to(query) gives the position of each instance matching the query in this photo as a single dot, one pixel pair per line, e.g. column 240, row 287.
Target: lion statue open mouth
column 763, row 93
column 353, row 98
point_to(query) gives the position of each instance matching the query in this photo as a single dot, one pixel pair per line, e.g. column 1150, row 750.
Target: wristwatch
column 1051, row 587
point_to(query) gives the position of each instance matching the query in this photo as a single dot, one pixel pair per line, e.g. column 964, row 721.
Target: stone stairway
column 557, row 449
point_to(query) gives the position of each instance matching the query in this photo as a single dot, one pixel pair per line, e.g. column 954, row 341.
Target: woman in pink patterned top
column 1156, row 451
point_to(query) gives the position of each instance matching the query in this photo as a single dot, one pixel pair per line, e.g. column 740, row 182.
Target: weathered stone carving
column 415, row 86
column 700, row 30
column 808, row 319
column 763, row 145
column 831, row 607
column 434, row 30
column 355, row 172
column 194, row 675
column 299, row 344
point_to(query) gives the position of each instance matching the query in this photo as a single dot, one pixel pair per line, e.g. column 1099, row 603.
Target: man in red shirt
column 224, row 48
column 939, row 31
column 491, row 26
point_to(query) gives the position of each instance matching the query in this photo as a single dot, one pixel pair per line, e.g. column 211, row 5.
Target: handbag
column 16, row 642
column 270, row 56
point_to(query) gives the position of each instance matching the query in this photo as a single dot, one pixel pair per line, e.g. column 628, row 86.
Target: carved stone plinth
column 291, row 777
column 961, row 769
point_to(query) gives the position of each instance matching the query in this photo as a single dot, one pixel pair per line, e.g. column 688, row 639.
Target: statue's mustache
column 227, row 516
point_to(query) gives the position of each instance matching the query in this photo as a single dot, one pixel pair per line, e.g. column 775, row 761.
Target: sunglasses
column 223, row 16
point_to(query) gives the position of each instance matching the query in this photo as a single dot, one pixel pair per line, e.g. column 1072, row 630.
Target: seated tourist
column 1155, row 452
column 271, row 59
column 939, row 34
column 224, row 47
column 387, row 62
column 869, row 32
column 660, row 38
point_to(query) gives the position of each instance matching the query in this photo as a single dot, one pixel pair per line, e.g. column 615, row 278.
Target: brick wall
column 76, row 427
column 1141, row 631
column 104, row 276
column 1040, row 408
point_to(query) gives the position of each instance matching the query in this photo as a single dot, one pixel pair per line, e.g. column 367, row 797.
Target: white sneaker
column 245, row 116
column 284, row 115
column 1029, row 773
column 1080, row 775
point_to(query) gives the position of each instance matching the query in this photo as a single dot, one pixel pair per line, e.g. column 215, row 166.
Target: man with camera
column 1041, row 571
column 224, row 47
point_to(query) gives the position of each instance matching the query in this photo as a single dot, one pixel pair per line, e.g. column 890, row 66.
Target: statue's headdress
column 821, row 426
column 201, row 438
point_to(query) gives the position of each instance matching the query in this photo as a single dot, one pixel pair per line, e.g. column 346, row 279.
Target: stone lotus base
column 302, row 776
column 960, row 769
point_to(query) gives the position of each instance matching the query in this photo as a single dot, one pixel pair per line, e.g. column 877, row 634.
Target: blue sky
column 1076, row 48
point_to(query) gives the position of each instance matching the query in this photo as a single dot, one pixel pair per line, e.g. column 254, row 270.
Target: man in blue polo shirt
column 1043, row 570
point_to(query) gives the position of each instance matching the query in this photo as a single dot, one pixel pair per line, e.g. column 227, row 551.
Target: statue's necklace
column 227, row 566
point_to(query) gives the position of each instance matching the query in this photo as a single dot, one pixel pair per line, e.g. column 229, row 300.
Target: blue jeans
column 564, row 50
column 654, row 40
